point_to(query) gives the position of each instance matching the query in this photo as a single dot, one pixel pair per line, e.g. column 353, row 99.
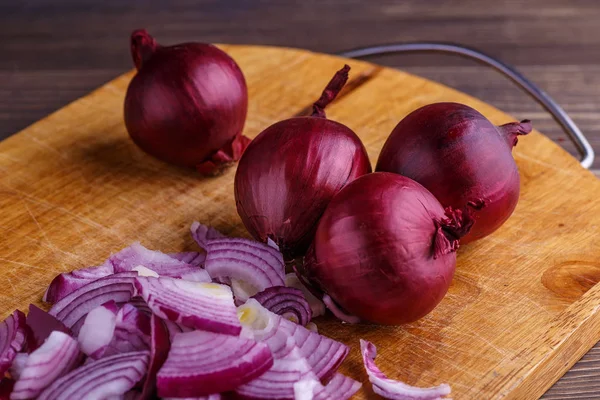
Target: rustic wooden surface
column 54, row 52
column 523, row 306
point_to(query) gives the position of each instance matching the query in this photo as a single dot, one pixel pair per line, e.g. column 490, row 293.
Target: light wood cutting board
column 523, row 306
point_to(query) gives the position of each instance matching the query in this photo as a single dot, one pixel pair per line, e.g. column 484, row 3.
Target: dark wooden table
column 52, row 52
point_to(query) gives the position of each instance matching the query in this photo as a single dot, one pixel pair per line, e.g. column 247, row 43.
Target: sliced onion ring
column 207, row 306
column 57, row 356
column 287, row 302
column 201, row 363
column 203, row 233
column 323, row 354
column 72, row 309
column 106, row 378
column 391, row 389
column 66, row 283
column 257, row 264
column 13, row 338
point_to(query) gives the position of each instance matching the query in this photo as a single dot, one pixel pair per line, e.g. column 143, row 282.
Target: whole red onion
column 290, row 172
column 384, row 249
column 187, row 104
column 460, row 156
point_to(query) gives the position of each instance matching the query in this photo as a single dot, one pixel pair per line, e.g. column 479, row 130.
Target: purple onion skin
column 381, row 251
column 288, row 175
column 460, row 156
column 186, row 103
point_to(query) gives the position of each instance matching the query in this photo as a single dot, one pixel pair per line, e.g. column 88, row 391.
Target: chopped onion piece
column 174, row 328
column 42, row 325
column 72, row 309
column 17, row 365
column 139, row 303
column 143, row 271
column 106, row 378
column 323, row 354
column 194, row 258
column 159, row 350
column 66, row 283
column 395, row 390
column 132, row 331
column 242, row 291
column 136, row 256
column 57, row 356
column 207, row 306
column 202, row 234
column 257, row 264
column 6, row 388
column 316, row 305
column 287, row 302
column 340, row 387
column 278, row 382
column 201, row 363
column 13, row 338
column 216, row 396
column 97, row 330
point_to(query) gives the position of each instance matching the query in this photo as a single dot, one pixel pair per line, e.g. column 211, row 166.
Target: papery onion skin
column 290, row 172
column 384, row 249
column 187, row 104
column 460, row 156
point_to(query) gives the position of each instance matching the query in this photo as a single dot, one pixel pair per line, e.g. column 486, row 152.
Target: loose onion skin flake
column 461, row 157
column 395, row 390
column 384, row 250
column 291, row 170
column 187, row 104
column 202, row 363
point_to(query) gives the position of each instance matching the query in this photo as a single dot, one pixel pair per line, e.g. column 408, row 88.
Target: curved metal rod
column 560, row 116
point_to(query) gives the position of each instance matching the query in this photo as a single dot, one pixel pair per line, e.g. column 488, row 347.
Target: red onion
column 57, row 356
column 289, row 367
column 340, row 387
column 384, row 249
column 202, row 363
column 290, row 172
column 42, row 325
column 207, row 306
column 66, row 283
column 391, row 389
column 107, row 378
column 187, row 104
column 194, row 258
column 98, row 329
column 287, row 302
column 72, row 309
column 460, row 156
column 137, row 257
column 6, row 388
column 159, row 350
column 258, row 265
column 324, row 355
column 13, row 338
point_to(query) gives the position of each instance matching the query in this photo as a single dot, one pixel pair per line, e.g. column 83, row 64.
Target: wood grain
column 523, row 305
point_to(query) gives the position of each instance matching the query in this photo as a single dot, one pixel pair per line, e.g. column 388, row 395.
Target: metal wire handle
column 560, row 116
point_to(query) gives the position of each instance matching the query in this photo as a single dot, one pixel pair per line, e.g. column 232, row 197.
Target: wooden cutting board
column 523, row 306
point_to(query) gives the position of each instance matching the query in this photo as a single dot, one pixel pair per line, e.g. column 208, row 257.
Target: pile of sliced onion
column 136, row 328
